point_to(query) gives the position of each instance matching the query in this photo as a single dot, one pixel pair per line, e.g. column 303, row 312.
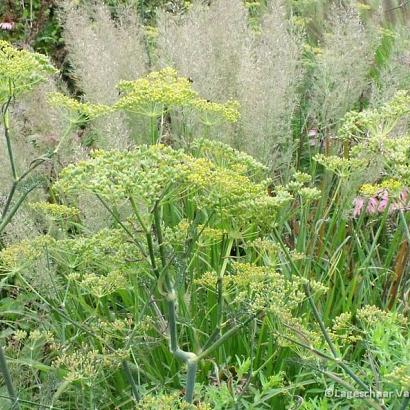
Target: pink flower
column 403, row 201
column 7, row 25
column 372, row 205
column 384, row 200
column 379, row 202
column 358, row 206
column 404, row 196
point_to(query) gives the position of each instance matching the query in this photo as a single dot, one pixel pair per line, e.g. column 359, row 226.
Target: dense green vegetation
column 204, row 205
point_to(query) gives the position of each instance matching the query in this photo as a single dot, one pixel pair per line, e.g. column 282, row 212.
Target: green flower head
column 21, row 70
column 76, row 110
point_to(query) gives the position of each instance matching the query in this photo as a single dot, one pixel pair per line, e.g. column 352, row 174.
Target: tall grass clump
column 334, row 89
column 269, row 84
column 394, row 73
column 102, row 51
column 259, row 67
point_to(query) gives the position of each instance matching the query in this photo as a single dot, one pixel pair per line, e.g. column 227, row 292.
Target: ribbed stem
column 8, row 143
column 7, row 379
column 131, row 380
column 190, row 382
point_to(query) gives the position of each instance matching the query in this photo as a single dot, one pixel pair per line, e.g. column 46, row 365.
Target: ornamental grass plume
column 269, row 78
column 258, row 68
column 394, row 73
column 333, row 90
column 191, row 43
column 101, row 52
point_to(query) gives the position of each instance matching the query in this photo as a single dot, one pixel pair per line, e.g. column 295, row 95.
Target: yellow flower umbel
column 155, row 93
column 157, row 173
column 261, row 288
column 210, row 113
column 227, row 157
column 78, row 112
column 21, row 254
column 55, row 211
column 160, row 91
column 20, row 70
column 343, row 167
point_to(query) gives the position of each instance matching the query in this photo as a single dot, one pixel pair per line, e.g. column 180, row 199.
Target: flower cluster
column 120, row 329
column 24, row 253
column 376, row 198
column 100, row 285
column 160, row 91
column 376, row 143
column 105, row 252
column 297, row 186
column 227, row 157
column 367, row 318
column 78, row 111
column 80, row 365
column 143, row 173
column 168, row 402
column 211, row 112
column 179, row 234
column 260, row 288
column 377, row 122
column 162, row 88
column 56, row 211
column 20, row 70
column 401, row 375
column 86, row 364
column 342, row 167
column 155, row 173
column 372, row 315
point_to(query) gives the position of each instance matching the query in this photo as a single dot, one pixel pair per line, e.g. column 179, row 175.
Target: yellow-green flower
column 160, row 91
column 21, row 70
column 156, row 92
column 78, row 111
column 56, row 211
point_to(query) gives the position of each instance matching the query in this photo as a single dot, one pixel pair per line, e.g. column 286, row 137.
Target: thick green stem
column 171, row 296
column 153, row 130
column 9, row 199
column 172, row 322
column 7, row 218
column 7, row 379
column 6, row 122
column 219, row 284
column 405, row 404
column 131, row 380
column 190, row 381
column 157, row 221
